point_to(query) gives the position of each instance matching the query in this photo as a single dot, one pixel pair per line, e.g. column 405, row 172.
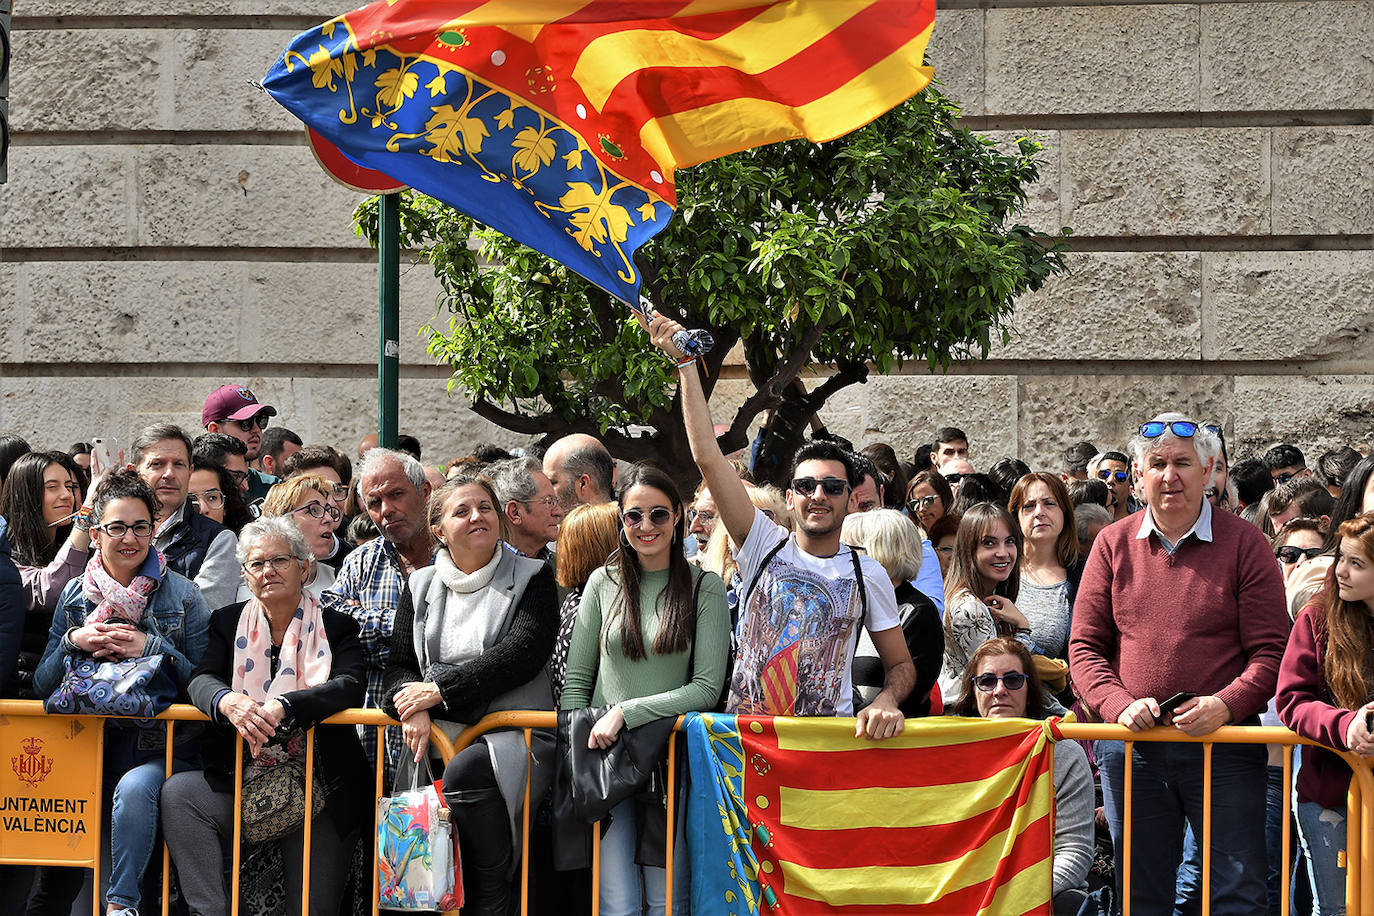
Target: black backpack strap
column 767, row 558
column 859, row 583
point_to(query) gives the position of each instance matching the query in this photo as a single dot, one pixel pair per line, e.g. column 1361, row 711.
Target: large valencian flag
column 561, row 122
column 796, row 816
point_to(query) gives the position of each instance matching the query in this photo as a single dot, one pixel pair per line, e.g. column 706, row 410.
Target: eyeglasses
column 340, row 490
column 210, row 499
column 1286, row 476
column 833, row 486
column 1012, row 680
column 549, row 501
column 279, row 564
column 658, row 515
column 239, row 476
column 1291, row 555
column 1108, row 474
column 141, row 529
column 707, row 518
column 260, row 421
column 953, row 479
column 917, row 503
column 318, row 510
column 1184, row 429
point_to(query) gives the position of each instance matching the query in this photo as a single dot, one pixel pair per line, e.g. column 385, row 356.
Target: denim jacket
column 176, row 620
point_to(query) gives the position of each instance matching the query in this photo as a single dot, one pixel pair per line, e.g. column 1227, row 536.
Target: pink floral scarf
column 113, row 600
column 303, row 660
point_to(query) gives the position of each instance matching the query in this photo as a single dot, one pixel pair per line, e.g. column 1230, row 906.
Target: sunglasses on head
column 1291, row 555
column 658, row 515
column 1184, row 429
column 1012, row 680
column 1107, row 474
column 833, row 486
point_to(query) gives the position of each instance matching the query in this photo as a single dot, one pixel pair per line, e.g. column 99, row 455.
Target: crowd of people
column 1158, row 584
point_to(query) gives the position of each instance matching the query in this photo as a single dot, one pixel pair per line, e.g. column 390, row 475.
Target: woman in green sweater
column 651, row 639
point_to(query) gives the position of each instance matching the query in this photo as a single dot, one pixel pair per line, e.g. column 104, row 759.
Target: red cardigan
column 1209, row 619
column 1306, row 706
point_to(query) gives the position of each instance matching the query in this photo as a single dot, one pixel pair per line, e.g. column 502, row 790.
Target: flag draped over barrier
column 797, row 816
column 560, row 122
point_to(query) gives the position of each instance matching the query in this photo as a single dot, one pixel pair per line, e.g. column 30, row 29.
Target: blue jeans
column 136, row 776
column 623, row 882
column 1322, row 833
column 1111, row 756
column 1167, row 788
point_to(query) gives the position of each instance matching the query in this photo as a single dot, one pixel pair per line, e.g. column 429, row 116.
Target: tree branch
column 792, row 366
column 546, row 424
column 847, row 374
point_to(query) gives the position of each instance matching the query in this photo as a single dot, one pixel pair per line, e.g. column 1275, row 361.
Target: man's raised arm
column 733, row 506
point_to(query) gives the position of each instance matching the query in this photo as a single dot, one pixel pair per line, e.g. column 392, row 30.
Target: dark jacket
column 190, row 542
column 13, row 607
column 338, row 753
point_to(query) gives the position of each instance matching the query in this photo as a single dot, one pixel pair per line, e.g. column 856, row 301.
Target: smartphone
column 1174, row 702
column 104, row 452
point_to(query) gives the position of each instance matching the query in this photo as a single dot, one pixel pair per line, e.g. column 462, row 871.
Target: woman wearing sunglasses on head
column 651, row 639
column 128, row 604
column 981, row 587
column 1000, row 682
column 309, row 502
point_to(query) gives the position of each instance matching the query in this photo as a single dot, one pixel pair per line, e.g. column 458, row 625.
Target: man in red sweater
column 1179, row 599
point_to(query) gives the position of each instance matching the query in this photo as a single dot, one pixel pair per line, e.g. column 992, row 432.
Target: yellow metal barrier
column 1359, row 856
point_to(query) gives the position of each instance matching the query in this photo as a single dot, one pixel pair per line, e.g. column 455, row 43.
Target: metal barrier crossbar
column 1359, row 860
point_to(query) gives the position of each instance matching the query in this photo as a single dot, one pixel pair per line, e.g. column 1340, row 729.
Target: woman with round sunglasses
column 1051, row 568
column 928, row 498
column 216, row 494
column 1000, row 682
column 981, row 588
column 128, row 604
column 309, row 502
column 651, row 641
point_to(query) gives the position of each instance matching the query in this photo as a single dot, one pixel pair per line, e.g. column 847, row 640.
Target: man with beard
column 805, row 593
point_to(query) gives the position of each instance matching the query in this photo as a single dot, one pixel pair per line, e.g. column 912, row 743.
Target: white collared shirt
column 1202, row 528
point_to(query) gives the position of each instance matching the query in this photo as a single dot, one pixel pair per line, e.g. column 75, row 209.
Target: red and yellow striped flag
column 952, row 817
column 561, row 122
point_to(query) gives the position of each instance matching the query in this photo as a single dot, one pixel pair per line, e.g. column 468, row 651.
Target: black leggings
column 484, row 838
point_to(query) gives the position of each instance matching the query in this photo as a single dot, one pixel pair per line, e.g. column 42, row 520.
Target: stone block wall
column 164, row 230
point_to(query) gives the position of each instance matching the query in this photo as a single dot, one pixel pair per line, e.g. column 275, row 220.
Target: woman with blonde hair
column 720, row 559
column 587, row 536
column 308, row 501
column 894, row 540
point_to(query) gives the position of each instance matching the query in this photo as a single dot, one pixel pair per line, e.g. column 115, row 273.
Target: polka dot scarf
column 303, row 660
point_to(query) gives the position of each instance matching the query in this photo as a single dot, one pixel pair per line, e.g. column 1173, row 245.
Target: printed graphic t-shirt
column 798, row 630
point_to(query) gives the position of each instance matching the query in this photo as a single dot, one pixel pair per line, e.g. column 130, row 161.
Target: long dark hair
column 677, row 619
column 963, row 574
column 1351, row 500
column 21, row 503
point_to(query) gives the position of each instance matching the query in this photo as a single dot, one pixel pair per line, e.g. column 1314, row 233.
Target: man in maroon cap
column 235, row 411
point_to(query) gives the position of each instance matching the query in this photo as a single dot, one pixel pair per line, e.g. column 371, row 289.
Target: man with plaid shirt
column 393, row 489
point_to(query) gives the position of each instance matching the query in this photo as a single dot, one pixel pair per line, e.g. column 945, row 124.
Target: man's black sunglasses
column 833, row 486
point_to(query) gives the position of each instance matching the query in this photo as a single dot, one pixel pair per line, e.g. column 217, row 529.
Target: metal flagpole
column 389, row 318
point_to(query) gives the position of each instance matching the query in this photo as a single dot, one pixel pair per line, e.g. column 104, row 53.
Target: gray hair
column 278, row 527
column 374, row 459
column 1204, row 442
column 889, row 537
column 514, row 479
column 1084, row 514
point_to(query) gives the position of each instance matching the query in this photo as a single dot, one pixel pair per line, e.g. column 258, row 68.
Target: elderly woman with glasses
column 309, row 502
column 128, row 604
column 1000, row 682
column 277, row 665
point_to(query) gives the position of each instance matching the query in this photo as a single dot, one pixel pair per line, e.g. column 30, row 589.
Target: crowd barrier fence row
column 1359, row 857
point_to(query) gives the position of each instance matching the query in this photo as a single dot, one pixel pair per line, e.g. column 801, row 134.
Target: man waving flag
column 561, row 122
